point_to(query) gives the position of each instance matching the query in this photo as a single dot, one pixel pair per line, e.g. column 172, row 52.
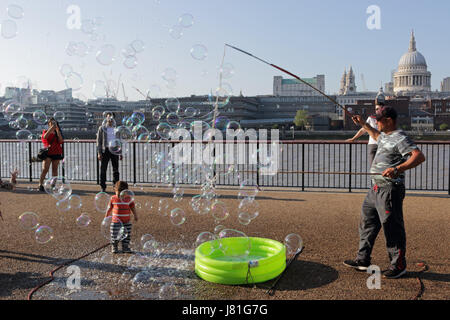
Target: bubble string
column 216, row 106
column 30, row 295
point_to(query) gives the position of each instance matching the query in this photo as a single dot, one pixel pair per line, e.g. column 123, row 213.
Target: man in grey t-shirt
column 383, row 206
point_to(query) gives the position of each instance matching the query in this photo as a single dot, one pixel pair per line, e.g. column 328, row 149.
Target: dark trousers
column 106, row 157
column 383, row 207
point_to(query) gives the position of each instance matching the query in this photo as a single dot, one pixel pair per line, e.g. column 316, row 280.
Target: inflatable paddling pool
column 244, row 260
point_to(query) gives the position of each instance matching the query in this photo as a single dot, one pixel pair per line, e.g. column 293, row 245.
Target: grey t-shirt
column 392, row 151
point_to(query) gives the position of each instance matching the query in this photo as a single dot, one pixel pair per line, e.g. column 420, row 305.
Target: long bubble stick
column 295, row 76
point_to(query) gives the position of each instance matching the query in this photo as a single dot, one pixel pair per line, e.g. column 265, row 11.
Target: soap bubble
column 227, row 70
column 250, row 207
column 123, row 133
column 40, row 117
column 142, row 279
column 169, row 74
column 88, row 26
column 119, row 230
column 177, row 194
column 75, row 202
column 63, row 205
column 233, row 125
column 293, row 243
column 177, row 216
column 84, row 220
column 127, row 196
column 29, row 221
column 15, row 11
column 105, row 56
column 240, row 250
column 138, row 118
column 168, row 292
column 59, row 116
column 219, row 211
column 138, row 131
column 8, row 29
column 172, row 118
column 145, row 238
column 102, row 202
column 186, row 20
column 130, row 62
column 244, row 218
column 115, row 146
column 176, row 31
column 163, row 207
column 23, row 135
column 99, row 89
column 66, row 70
column 201, row 205
column 164, row 130
column 138, row 45
column 44, row 235
column 58, row 187
column 199, row 52
column 74, row 81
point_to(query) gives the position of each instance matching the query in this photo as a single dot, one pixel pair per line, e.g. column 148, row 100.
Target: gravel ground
column 327, row 221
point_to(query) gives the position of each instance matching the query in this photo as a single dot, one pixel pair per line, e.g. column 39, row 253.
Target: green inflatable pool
column 247, row 260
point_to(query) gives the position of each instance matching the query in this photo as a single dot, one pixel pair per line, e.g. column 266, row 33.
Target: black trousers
column 106, row 157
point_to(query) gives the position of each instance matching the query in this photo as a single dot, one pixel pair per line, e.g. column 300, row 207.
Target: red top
column 121, row 211
column 52, row 142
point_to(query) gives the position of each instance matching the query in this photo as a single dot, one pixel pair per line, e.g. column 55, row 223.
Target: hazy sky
column 304, row 37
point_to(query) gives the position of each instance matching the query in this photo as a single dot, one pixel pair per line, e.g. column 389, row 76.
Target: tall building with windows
column 295, row 88
column 445, row 85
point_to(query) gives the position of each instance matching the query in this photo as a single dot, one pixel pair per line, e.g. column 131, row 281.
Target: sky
column 305, row 37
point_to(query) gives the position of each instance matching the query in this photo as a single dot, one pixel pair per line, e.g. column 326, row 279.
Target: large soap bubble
column 29, row 221
column 44, row 235
column 58, row 187
column 241, row 243
column 101, row 202
column 113, row 231
column 293, row 243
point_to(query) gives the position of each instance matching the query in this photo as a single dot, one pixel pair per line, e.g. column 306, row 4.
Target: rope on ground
column 424, row 268
column 30, row 295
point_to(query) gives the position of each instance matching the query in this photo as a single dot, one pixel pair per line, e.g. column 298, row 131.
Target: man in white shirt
column 372, row 147
column 104, row 136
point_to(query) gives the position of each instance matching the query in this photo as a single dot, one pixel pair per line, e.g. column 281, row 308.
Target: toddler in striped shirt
column 121, row 210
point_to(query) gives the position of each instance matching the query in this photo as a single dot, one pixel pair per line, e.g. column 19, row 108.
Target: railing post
column 134, row 162
column 350, row 169
column 30, row 165
column 303, row 167
column 97, row 167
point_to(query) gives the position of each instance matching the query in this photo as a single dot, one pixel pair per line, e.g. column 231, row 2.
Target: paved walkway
column 327, row 221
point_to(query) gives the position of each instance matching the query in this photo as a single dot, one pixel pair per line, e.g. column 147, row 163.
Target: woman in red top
column 52, row 139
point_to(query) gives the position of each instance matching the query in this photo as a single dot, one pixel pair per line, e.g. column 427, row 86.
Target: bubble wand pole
column 296, row 77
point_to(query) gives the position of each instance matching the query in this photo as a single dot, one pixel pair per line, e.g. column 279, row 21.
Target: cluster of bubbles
column 8, row 27
column 24, row 121
column 130, row 52
column 30, row 221
column 185, row 21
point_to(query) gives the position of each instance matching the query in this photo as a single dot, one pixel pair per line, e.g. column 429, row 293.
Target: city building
column 412, row 76
column 445, row 85
column 348, row 83
column 295, row 88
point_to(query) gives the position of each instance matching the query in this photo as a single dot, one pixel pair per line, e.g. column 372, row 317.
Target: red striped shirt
column 121, row 212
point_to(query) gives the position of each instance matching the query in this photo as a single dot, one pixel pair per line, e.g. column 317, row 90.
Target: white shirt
column 110, row 136
column 373, row 123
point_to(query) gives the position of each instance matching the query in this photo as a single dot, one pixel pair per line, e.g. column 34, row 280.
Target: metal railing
column 302, row 164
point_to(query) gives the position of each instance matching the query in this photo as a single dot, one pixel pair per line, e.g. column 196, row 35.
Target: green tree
column 443, row 127
column 301, row 119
